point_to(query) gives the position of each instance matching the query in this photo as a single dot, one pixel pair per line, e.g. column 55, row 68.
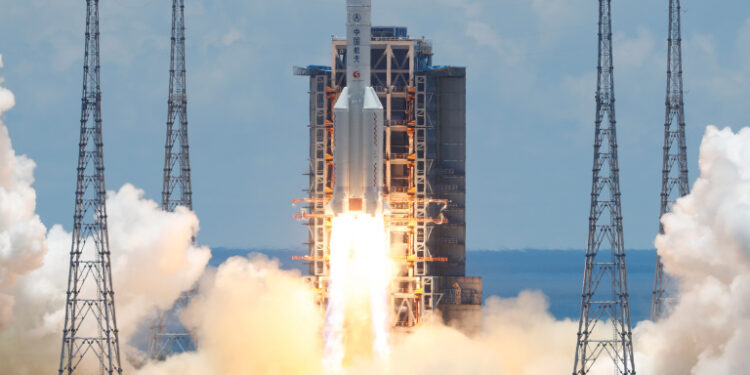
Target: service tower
column 423, row 172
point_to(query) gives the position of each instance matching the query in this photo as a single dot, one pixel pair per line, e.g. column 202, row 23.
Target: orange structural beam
column 306, row 215
column 410, row 221
column 308, row 258
column 308, row 200
column 414, row 258
column 426, row 200
column 405, row 259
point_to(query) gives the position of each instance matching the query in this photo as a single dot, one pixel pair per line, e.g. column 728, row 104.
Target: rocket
column 358, row 124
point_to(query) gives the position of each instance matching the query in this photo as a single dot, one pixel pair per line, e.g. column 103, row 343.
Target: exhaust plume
column 22, row 242
column 251, row 318
column 706, row 248
column 153, row 261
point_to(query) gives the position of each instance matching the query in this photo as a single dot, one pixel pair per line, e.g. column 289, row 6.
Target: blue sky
column 530, row 85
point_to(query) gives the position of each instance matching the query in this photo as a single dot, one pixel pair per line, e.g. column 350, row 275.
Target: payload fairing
column 358, row 124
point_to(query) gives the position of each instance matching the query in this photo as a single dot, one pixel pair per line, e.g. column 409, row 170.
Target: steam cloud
column 706, row 247
column 152, row 256
column 22, row 244
column 153, row 261
column 254, row 318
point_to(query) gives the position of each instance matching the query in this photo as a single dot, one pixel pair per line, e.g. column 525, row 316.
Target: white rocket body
column 358, row 124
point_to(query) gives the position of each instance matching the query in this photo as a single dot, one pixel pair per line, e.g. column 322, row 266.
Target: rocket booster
column 358, row 124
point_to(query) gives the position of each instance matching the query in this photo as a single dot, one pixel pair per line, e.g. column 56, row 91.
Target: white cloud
column 633, row 52
column 743, row 45
column 556, row 15
column 484, row 35
column 232, row 36
column 470, row 8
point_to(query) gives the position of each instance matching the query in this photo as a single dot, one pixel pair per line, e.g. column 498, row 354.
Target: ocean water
column 557, row 273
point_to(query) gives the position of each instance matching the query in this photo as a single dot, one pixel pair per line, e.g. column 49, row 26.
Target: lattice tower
column 674, row 180
column 90, row 337
column 167, row 334
column 604, row 326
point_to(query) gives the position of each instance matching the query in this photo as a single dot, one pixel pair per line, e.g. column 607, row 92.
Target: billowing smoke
column 22, row 243
column 252, row 318
column 153, row 261
column 256, row 319
column 519, row 337
column 706, row 248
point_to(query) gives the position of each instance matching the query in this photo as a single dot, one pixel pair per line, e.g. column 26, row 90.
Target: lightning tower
column 674, row 180
column 90, row 337
column 167, row 335
column 604, row 327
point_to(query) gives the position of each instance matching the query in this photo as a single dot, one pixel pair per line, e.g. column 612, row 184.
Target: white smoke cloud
column 256, row 319
column 22, row 243
column 153, row 261
column 706, row 247
column 252, row 318
column 519, row 337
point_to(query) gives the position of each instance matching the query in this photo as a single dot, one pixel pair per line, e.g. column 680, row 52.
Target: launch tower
column 674, row 180
column 90, row 337
column 167, row 334
column 424, row 175
column 604, row 327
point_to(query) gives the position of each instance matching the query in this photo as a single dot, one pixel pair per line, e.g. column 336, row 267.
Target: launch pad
column 424, row 176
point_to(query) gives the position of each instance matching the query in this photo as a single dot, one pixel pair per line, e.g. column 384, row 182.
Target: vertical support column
column 90, row 338
column 318, row 173
column 167, row 334
column 420, row 177
column 429, row 294
column 604, row 330
column 674, row 181
column 388, row 83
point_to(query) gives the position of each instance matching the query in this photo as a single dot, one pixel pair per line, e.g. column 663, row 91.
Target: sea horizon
column 558, row 273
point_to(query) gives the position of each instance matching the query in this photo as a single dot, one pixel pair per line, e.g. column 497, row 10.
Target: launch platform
column 424, row 175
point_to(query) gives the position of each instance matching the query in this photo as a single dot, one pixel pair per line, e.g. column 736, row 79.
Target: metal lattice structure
column 90, row 337
column 424, row 171
column 167, row 334
column 674, row 181
column 604, row 328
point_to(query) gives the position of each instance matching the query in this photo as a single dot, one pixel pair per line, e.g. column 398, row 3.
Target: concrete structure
column 424, row 173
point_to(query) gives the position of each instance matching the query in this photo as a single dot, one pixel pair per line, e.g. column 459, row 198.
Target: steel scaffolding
column 90, row 337
column 168, row 336
column 424, row 173
column 604, row 326
column 674, row 181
